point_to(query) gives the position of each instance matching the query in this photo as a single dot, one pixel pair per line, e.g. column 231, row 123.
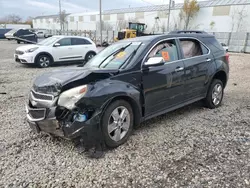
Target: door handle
column 208, row 60
column 178, row 69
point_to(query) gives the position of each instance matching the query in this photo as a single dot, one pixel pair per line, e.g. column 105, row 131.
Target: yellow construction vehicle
column 134, row 30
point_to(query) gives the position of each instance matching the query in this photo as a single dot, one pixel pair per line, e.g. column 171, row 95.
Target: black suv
column 127, row 83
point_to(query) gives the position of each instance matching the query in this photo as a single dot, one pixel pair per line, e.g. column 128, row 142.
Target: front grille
column 41, row 96
column 37, row 113
column 19, row 52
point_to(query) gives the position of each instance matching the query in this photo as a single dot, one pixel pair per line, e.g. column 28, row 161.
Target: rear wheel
column 215, row 94
column 89, row 56
column 117, row 123
column 43, row 61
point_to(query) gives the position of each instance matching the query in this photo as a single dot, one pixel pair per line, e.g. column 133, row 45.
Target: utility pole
column 60, row 14
column 100, row 4
column 169, row 9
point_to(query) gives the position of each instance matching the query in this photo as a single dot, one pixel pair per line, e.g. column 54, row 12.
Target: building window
column 93, row 18
column 34, row 20
column 221, row 11
column 54, row 19
column 139, row 15
column 120, row 16
column 41, row 20
column 80, row 18
column 106, row 17
column 72, row 18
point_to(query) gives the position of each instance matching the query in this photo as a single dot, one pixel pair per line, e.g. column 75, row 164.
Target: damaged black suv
column 127, row 83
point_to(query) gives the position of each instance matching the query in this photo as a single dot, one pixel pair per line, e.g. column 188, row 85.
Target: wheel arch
column 44, row 53
column 134, row 105
column 221, row 75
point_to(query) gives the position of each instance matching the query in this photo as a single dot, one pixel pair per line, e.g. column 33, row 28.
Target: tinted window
column 191, row 48
column 65, row 42
column 166, row 49
column 79, row 41
column 213, row 44
column 204, row 49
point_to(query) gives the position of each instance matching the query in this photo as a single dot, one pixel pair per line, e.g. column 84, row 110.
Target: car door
column 163, row 84
column 198, row 61
column 63, row 51
column 81, row 47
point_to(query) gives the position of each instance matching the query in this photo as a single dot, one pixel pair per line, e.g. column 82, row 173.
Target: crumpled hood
column 53, row 81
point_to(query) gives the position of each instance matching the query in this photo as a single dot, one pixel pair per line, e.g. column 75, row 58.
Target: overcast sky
column 26, row 8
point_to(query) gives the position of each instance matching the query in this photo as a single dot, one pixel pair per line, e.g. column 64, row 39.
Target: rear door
column 163, row 85
column 198, row 60
column 80, row 47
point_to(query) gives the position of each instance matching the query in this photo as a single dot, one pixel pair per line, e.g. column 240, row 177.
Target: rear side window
column 78, row 41
column 213, row 44
column 166, row 49
column 65, row 42
column 192, row 48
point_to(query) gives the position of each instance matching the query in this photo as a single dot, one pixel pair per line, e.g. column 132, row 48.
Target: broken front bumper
column 44, row 120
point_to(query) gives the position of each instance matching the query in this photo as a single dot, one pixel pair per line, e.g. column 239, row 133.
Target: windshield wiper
column 115, row 53
column 130, row 56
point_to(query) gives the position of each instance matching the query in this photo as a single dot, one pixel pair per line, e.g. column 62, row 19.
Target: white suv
column 56, row 49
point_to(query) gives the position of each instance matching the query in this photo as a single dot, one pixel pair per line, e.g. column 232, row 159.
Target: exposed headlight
column 68, row 98
column 31, row 50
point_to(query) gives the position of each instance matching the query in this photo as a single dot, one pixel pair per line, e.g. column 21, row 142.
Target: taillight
column 227, row 57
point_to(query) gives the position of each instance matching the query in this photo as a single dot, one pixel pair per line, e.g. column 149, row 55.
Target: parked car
column 42, row 33
column 25, row 36
column 224, row 46
column 56, row 49
column 127, row 83
column 9, row 35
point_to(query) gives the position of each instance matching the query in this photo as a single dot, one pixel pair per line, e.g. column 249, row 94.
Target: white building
column 214, row 16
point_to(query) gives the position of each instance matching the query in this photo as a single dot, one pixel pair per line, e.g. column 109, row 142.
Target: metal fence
column 237, row 42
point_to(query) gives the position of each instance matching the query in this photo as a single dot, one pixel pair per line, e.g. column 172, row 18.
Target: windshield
column 108, row 59
column 48, row 41
column 12, row 31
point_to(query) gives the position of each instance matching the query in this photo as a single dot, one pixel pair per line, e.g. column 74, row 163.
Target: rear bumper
column 88, row 130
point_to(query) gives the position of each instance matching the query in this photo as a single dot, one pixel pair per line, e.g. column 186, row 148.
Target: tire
column 89, row 56
column 43, row 61
column 111, row 129
column 215, row 92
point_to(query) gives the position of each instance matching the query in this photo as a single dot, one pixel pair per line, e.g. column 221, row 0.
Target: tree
column 121, row 24
column 12, row 18
column 212, row 24
column 189, row 10
column 29, row 21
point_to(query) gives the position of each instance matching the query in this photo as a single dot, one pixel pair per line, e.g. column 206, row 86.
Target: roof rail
column 188, row 31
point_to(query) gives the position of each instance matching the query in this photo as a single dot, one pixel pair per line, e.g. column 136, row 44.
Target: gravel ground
column 190, row 147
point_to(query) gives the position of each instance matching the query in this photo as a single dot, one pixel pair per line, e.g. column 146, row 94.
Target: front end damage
column 79, row 125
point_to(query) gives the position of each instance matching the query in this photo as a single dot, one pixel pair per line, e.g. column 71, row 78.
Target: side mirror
column 154, row 61
column 57, row 44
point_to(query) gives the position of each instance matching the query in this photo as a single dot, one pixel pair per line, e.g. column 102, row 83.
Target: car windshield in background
column 48, row 41
column 114, row 56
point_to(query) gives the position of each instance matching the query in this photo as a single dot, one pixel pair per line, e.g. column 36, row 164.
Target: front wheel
column 215, row 94
column 117, row 123
column 43, row 61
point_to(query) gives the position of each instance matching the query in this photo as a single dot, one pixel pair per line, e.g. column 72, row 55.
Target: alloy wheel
column 217, row 94
column 44, row 61
column 119, row 123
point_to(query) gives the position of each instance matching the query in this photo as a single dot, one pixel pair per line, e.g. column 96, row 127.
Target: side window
column 79, row 41
column 204, row 49
column 65, row 42
column 166, row 49
column 191, row 48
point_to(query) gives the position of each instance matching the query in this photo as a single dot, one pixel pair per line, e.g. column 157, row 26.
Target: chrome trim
column 34, row 119
column 41, row 94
